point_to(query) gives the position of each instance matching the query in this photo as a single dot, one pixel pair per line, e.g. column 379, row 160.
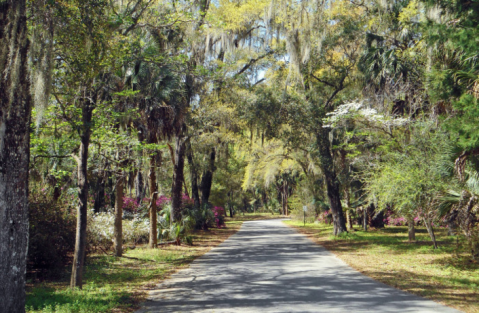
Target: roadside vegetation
column 446, row 275
column 114, row 284
column 142, row 123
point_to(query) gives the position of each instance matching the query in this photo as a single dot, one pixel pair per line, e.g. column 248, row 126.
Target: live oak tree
column 15, row 108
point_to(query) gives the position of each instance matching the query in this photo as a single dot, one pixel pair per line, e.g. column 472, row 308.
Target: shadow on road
column 268, row 267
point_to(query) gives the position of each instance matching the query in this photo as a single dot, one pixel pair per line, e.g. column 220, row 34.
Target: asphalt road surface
column 268, row 267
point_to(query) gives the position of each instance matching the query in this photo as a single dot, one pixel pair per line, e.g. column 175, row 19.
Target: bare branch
column 251, row 62
column 323, row 81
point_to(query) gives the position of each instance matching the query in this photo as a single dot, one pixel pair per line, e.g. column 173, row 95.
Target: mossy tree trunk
column 331, row 179
column 15, row 109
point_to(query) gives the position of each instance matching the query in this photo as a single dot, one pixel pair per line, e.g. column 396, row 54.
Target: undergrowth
column 120, row 284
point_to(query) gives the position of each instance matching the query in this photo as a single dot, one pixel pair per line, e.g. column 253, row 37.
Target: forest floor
column 446, row 275
column 114, row 284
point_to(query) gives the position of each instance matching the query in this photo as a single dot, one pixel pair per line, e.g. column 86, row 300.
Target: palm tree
column 460, row 206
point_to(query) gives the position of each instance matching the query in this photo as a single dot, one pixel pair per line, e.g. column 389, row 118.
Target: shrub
column 101, row 229
column 203, row 216
column 187, row 202
column 396, row 221
column 325, row 217
column 219, row 213
column 52, row 235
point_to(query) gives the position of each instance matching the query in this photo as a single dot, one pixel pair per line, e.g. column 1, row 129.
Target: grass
column 114, row 284
column 446, row 275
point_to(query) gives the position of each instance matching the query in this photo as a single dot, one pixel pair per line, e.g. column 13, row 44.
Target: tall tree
column 15, row 109
column 87, row 43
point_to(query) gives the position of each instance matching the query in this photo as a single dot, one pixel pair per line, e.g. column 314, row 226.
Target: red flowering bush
column 130, row 205
column 395, row 221
column 133, row 206
column 187, row 202
column 219, row 213
column 325, row 217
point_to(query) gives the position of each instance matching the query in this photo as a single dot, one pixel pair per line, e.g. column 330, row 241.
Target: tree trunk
column 178, row 176
column 153, row 242
column 331, row 179
column 430, row 230
column 207, row 179
column 411, row 230
column 231, row 204
column 378, row 219
column 139, row 188
column 118, row 230
column 452, row 223
column 475, row 249
column 349, row 220
column 82, row 160
column 193, row 176
column 110, row 193
column 365, row 218
column 15, row 109
column 245, row 205
column 286, row 197
column 348, row 210
column 100, row 193
column 264, row 199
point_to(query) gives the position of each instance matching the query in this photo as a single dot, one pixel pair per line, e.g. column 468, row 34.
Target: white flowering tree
column 408, row 166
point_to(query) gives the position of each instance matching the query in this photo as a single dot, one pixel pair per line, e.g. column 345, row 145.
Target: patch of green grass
column 114, row 284
column 447, row 274
column 92, row 298
column 110, row 282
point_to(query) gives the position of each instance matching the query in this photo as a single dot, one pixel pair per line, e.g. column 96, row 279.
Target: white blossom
column 359, row 110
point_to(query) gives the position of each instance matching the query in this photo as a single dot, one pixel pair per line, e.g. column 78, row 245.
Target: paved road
column 269, row 267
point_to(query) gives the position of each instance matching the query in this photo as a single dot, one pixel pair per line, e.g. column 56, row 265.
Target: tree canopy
column 168, row 110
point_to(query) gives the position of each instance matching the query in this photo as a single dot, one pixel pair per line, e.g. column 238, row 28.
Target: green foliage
column 390, row 87
column 411, row 178
column 101, row 229
column 202, row 216
column 51, row 236
column 464, row 125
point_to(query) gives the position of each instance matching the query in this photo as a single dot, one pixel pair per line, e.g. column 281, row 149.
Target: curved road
column 268, row 267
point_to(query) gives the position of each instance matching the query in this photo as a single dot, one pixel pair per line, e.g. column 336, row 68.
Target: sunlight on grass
column 121, row 284
column 447, row 275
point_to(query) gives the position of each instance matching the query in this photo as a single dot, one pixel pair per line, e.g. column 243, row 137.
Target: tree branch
column 251, row 62
column 258, row 82
column 322, row 81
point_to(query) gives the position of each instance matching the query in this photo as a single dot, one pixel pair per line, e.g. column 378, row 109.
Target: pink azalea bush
column 132, row 205
column 395, row 221
column 219, row 213
column 187, row 201
column 325, row 217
